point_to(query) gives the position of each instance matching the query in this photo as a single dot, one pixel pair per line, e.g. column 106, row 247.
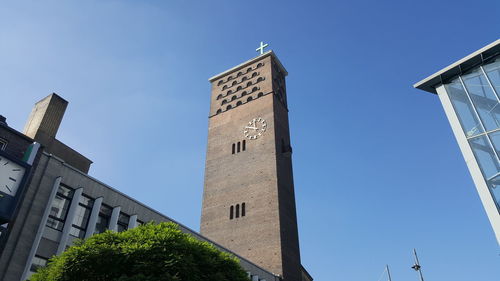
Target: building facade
column 469, row 91
column 248, row 198
column 60, row 202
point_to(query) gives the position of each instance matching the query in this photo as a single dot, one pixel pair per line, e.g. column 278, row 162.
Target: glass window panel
column 86, row 201
column 106, row 210
column 493, row 71
column 484, row 98
column 102, row 224
column 59, row 207
column 495, row 139
column 463, row 108
column 485, row 156
column 77, row 232
column 121, row 227
column 65, row 191
column 37, row 263
column 494, row 185
column 55, row 224
column 123, row 218
column 82, row 215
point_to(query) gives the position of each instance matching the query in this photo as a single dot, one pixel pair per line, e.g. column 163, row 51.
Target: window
column 229, row 92
column 249, row 84
column 123, row 220
column 3, row 144
column 224, row 102
column 260, row 64
column 59, row 208
column 234, row 211
column 260, row 79
column 103, row 219
column 239, row 147
column 254, row 74
column 239, row 103
column 218, row 111
column 244, row 78
column 244, row 93
column 249, row 69
column 220, row 83
column 225, row 87
column 229, row 107
column 255, row 89
column 82, row 216
column 239, row 74
column 249, row 99
column 233, row 98
column 219, row 97
column 260, row 95
column 234, row 83
column 38, row 261
column 239, row 88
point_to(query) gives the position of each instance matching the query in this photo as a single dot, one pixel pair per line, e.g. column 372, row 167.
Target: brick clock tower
column 248, row 198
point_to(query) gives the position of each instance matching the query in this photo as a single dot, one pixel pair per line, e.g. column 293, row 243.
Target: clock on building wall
column 13, row 174
column 255, row 128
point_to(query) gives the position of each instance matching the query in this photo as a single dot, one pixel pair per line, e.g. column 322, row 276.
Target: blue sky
column 377, row 169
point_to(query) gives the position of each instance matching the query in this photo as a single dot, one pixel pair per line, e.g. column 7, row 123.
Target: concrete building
column 248, row 198
column 58, row 201
column 469, row 91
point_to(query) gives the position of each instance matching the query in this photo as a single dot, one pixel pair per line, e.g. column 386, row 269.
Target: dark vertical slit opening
column 237, row 210
column 242, row 209
column 239, row 144
column 233, row 148
column 244, row 145
column 231, row 212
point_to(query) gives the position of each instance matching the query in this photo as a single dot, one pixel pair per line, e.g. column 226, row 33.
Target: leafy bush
column 151, row 252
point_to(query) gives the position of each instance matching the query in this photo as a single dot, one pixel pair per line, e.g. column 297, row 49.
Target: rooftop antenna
column 417, row 266
column 388, row 272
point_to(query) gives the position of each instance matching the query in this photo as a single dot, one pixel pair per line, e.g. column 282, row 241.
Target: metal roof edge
column 427, row 84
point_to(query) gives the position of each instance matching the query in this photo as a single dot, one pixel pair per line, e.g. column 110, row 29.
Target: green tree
column 151, row 252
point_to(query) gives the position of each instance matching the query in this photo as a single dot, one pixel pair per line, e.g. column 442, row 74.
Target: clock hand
column 247, row 127
column 8, row 188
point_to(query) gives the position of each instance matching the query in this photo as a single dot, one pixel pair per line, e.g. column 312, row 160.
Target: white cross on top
column 261, row 48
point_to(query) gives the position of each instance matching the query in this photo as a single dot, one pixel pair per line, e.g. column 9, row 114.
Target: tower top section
column 248, row 62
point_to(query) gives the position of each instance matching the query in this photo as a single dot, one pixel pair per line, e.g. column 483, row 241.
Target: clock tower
column 248, row 200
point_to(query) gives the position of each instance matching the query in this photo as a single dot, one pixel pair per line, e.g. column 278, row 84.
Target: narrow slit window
column 231, row 209
column 242, row 209
column 237, row 211
column 239, row 144
column 244, row 146
column 234, row 148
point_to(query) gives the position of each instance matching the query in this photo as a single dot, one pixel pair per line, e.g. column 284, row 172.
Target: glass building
column 469, row 91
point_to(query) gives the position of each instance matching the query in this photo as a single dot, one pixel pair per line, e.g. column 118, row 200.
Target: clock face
column 11, row 175
column 255, row 128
